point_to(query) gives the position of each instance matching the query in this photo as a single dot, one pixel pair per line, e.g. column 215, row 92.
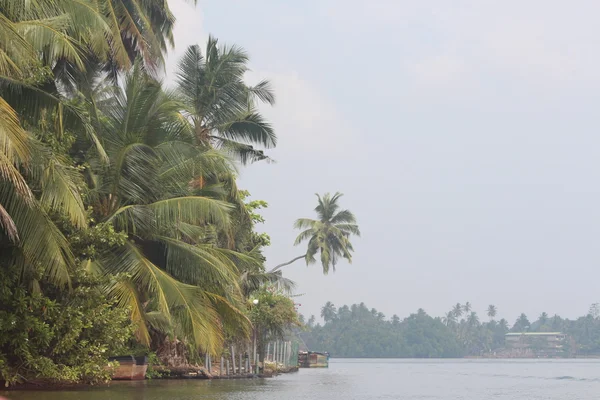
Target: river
column 371, row 379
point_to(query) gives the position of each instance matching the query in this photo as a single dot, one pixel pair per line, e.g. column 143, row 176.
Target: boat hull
column 130, row 368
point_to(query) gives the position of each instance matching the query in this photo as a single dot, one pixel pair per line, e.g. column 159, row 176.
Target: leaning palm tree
column 220, row 107
column 329, row 235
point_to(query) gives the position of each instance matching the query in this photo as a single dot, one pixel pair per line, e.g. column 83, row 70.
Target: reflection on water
column 372, row 379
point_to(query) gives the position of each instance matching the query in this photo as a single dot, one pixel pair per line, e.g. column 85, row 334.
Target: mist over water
column 361, row 379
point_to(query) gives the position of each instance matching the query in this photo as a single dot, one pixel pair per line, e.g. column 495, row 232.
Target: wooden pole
column 241, row 365
column 268, row 350
column 254, row 357
column 221, row 366
column 233, row 358
column 227, row 369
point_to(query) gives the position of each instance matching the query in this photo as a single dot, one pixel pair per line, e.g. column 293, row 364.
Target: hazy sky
column 464, row 135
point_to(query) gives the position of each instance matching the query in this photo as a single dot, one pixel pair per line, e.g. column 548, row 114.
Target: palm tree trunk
column 287, row 263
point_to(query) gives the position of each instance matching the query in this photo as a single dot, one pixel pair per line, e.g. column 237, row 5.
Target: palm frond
column 133, row 219
column 60, row 191
column 249, row 127
column 244, row 152
column 263, row 92
column 41, row 242
column 127, row 296
column 199, row 264
column 343, row 217
column 192, row 210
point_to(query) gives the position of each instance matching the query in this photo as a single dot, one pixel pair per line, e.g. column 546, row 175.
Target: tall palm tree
column 329, row 235
column 328, row 312
column 220, row 107
column 492, row 311
column 467, row 308
column 457, row 310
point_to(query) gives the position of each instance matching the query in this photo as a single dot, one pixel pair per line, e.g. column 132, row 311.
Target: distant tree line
column 357, row 331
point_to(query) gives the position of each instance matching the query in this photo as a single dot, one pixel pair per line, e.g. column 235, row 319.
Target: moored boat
column 313, row 359
column 130, row 368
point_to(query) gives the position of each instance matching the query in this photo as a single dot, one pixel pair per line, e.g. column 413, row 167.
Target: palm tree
column 220, row 108
column 492, row 311
column 522, row 324
column 473, row 319
column 169, row 270
column 449, row 319
column 467, row 308
column 457, row 310
column 329, row 235
column 328, row 312
column 543, row 319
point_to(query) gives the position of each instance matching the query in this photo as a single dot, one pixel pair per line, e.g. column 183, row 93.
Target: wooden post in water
column 233, row 359
column 281, row 347
column 221, row 366
column 254, row 357
column 275, row 355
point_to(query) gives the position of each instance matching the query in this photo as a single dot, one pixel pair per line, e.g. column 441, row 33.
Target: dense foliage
column 357, row 331
column 121, row 224
column 56, row 335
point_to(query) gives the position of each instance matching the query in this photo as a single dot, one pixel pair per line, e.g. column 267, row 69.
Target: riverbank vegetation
column 122, row 228
column 357, row 331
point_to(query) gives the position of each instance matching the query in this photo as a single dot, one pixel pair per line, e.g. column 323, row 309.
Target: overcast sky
column 463, row 134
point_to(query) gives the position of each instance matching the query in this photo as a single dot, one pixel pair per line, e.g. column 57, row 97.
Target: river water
column 372, row 379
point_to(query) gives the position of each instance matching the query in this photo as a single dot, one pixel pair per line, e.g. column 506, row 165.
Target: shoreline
column 43, row 386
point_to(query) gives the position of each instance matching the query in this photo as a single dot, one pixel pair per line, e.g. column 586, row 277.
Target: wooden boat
column 130, row 368
column 313, row 359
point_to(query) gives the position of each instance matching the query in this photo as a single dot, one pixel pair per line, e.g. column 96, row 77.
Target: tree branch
column 288, row 263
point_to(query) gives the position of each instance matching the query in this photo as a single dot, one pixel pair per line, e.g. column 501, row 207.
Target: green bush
column 67, row 338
